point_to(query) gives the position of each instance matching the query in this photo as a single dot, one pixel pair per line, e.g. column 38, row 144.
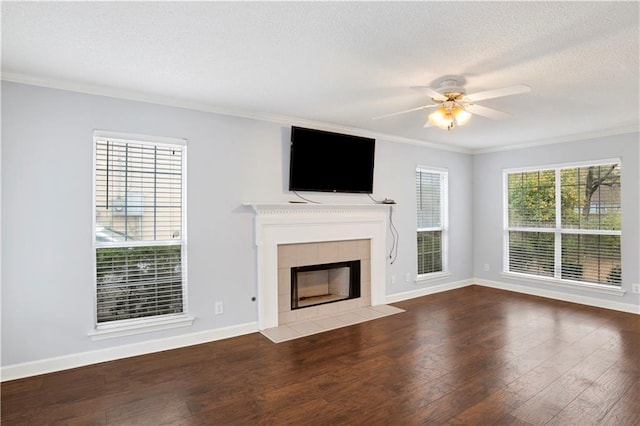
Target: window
column 564, row 223
column 431, row 192
column 139, row 230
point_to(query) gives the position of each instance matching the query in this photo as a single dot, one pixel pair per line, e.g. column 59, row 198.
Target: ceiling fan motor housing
column 451, row 90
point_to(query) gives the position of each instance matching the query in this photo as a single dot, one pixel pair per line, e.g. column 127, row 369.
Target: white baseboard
column 17, row 371
column 425, row 291
column 557, row 295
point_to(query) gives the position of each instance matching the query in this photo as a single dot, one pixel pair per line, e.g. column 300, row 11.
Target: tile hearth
column 299, row 329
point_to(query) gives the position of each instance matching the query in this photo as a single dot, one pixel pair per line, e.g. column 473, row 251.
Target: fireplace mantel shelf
column 283, row 208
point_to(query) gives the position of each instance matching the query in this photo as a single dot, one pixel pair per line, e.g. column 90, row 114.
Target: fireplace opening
column 326, row 283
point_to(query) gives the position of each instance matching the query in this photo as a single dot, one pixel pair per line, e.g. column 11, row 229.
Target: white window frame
column 444, row 225
column 146, row 324
column 557, row 230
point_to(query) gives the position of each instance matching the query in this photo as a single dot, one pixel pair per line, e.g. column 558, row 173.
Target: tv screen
column 330, row 162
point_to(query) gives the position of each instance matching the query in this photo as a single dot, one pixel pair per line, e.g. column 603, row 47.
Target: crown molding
column 111, row 92
column 620, row 130
column 131, row 95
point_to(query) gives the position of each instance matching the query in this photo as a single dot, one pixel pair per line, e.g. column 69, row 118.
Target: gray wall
column 488, row 194
column 399, row 164
column 47, row 274
column 47, row 256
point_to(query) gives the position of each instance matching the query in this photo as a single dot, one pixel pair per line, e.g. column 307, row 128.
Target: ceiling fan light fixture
column 448, row 117
column 461, row 115
column 441, row 118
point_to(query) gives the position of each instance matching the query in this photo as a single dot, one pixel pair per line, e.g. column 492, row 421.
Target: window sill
column 595, row 288
column 110, row 331
column 431, row 277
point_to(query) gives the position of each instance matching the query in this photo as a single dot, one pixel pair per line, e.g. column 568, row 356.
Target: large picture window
column 139, row 229
column 431, row 193
column 564, row 223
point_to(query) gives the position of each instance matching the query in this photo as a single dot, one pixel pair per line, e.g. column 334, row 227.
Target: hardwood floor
column 470, row 356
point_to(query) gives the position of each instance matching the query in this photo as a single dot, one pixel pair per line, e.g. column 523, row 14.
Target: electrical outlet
column 486, row 267
column 407, row 277
column 219, row 308
column 635, row 288
column 393, row 279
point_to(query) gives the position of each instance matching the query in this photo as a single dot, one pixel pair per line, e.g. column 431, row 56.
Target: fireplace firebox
column 325, row 283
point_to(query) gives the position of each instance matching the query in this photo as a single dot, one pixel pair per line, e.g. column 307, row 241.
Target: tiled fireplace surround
column 290, row 255
column 311, row 234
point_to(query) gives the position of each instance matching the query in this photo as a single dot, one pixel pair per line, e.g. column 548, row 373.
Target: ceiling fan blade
column 431, row 93
column 487, row 112
column 404, row 112
column 496, row 93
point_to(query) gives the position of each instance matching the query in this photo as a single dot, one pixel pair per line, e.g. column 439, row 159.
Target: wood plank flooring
column 472, row 356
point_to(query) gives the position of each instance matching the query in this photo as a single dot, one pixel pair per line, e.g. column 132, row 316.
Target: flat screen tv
column 330, row 162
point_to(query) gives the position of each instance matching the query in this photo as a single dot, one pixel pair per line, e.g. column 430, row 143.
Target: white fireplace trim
column 304, row 223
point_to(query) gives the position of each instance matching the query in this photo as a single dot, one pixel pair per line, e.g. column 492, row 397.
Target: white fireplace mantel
column 292, row 223
column 305, row 208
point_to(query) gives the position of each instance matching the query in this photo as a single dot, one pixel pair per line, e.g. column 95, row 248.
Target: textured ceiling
column 338, row 64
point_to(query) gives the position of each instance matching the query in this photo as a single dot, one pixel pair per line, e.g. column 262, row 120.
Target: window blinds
column 139, row 190
column 565, row 223
column 137, row 282
column 430, row 190
column 139, row 236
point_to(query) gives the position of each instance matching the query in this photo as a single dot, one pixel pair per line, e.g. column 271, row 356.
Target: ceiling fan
column 455, row 107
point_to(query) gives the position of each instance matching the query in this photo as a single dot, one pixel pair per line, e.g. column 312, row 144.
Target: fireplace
column 294, row 235
column 325, row 283
column 317, row 279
